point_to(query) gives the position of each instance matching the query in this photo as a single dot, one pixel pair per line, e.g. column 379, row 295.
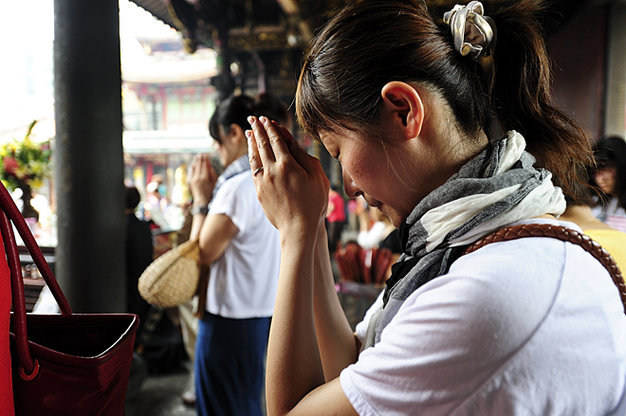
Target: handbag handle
column 10, row 214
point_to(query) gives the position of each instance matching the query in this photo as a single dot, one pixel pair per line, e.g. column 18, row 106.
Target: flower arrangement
column 25, row 162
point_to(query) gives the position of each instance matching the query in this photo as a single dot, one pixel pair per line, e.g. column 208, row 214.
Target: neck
column 237, row 156
column 444, row 139
column 583, row 217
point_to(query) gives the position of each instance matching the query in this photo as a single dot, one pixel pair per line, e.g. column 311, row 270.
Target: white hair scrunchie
column 472, row 34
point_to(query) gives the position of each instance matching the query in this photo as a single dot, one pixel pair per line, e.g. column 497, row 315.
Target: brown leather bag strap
column 563, row 234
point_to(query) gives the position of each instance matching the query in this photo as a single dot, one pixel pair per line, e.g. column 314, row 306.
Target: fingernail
column 263, row 119
column 248, row 134
column 251, row 120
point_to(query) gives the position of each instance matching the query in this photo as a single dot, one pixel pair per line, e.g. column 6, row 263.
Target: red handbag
column 67, row 364
column 6, row 389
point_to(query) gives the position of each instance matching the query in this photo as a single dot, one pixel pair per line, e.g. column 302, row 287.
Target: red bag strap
column 564, row 234
column 10, row 214
column 17, row 290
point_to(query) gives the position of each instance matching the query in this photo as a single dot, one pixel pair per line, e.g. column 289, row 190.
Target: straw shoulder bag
column 172, row 278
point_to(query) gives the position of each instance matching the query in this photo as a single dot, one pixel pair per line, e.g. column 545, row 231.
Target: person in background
column 452, row 133
column 393, row 243
column 353, row 220
column 610, row 178
column 374, row 226
column 139, row 254
column 579, row 211
column 335, row 218
column 188, row 314
column 242, row 249
column 180, row 192
column 156, row 203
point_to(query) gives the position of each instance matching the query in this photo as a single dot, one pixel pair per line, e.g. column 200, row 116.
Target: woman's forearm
column 293, row 361
column 196, row 226
column 335, row 337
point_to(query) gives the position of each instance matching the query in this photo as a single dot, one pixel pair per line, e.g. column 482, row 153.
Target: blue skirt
column 230, row 365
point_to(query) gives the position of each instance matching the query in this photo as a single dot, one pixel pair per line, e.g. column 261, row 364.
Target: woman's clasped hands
column 292, row 186
column 202, row 179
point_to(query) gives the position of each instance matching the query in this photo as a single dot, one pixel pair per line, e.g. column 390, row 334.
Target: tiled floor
column 160, row 395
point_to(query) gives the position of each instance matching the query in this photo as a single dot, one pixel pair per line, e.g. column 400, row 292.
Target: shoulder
column 523, row 256
column 239, row 181
column 498, row 309
column 507, row 277
column 237, row 198
column 236, row 187
column 487, row 292
column 533, row 265
column 490, row 290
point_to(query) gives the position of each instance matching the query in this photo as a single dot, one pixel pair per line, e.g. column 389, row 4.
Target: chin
column 395, row 219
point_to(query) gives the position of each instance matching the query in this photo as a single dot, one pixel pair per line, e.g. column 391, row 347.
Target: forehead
column 337, row 135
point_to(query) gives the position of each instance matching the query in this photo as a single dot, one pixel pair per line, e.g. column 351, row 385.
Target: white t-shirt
column 243, row 281
column 532, row 326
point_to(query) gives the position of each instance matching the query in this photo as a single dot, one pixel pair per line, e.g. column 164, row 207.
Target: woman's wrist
column 202, row 209
column 295, row 236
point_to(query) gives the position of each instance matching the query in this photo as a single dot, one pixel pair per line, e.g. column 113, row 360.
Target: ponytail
column 522, row 99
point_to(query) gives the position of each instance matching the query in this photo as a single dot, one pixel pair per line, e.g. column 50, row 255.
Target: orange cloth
column 614, row 242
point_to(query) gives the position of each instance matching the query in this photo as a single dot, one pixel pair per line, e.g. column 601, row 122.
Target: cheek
column 222, row 154
column 362, row 172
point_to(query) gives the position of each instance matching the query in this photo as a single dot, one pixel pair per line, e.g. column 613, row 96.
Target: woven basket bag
column 172, row 278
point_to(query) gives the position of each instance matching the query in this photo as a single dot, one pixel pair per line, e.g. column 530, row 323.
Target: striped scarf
column 495, row 188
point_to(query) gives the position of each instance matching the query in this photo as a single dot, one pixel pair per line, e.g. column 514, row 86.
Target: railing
column 33, row 283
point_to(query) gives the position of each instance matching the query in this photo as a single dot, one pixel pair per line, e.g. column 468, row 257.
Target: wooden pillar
column 225, row 85
column 88, row 155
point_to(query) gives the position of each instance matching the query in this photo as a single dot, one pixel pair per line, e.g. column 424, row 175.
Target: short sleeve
column 236, row 202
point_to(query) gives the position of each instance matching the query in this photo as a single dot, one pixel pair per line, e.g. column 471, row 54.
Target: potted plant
column 25, row 164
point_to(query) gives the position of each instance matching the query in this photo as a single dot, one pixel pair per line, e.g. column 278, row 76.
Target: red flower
column 10, row 165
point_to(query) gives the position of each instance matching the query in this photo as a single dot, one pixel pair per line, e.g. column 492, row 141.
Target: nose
column 352, row 191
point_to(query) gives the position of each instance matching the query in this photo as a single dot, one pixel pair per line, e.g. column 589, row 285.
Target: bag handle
column 10, row 214
column 14, row 215
column 561, row 233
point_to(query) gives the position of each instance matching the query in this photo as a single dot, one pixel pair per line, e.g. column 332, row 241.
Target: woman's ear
column 403, row 107
column 236, row 133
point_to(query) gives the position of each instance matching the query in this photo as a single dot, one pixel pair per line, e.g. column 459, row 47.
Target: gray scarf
column 495, row 188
